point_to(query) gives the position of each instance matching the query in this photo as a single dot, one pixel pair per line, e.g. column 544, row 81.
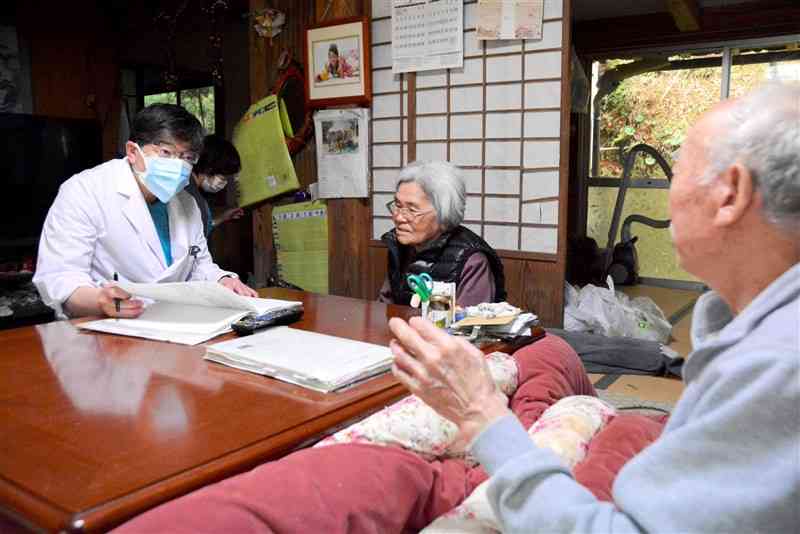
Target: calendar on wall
column 427, row 35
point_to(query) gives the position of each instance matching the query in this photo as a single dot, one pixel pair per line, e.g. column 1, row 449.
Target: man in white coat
column 129, row 219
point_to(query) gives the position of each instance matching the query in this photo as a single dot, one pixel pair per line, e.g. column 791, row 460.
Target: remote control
column 252, row 322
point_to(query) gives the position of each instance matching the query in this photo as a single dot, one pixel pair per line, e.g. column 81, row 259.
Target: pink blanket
column 360, row 488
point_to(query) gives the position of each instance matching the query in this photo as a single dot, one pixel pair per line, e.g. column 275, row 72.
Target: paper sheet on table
column 342, row 152
column 204, row 293
column 300, row 234
column 267, row 168
column 166, row 321
column 316, row 361
column 185, row 312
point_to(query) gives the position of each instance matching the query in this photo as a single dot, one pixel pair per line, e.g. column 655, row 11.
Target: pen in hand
column 116, row 301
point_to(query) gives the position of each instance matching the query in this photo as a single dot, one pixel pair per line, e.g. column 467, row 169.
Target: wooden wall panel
column 348, row 239
column 739, row 21
column 514, row 270
column 74, row 70
column 348, row 219
column 543, row 291
column 263, row 74
column 378, row 257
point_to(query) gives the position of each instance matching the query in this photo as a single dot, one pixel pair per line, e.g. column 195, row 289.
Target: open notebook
column 186, row 312
column 316, row 361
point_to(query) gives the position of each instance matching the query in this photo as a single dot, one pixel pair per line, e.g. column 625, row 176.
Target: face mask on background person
column 164, row 177
column 213, row 184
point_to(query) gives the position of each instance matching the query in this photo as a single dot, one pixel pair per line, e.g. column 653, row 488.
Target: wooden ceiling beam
column 686, row 14
column 611, row 36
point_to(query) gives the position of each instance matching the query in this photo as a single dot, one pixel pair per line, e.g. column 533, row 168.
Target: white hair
column 444, row 186
column 762, row 132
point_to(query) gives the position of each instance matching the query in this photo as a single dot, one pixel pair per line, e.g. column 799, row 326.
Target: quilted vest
column 443, row 258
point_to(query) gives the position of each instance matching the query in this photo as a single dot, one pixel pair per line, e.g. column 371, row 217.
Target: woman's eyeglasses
column 407, row 213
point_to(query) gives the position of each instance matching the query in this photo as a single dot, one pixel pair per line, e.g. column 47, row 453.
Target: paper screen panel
column 542, row 95
column 501, row 209
column 466, row 126
column 502, row 97
column 542, row 124
column 499, row 118
column 386, row 131
column 503, row 182
column 503, row 125
column 540, row 212
column 539, row 184
column 542, row 240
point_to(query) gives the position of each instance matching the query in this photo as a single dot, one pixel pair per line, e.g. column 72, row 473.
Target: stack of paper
column 186, row 312
column 316, row 361
column 494, row 320
column 519, row 326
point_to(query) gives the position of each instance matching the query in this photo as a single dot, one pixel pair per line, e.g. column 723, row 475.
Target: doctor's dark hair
column 219, row 156
column 167, row 123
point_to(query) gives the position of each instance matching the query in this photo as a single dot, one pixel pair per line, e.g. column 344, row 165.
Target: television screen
column 37, row 154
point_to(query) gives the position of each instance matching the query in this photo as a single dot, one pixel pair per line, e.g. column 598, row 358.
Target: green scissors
column 421, row 284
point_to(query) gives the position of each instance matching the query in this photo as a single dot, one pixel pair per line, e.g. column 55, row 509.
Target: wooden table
column 96, row 428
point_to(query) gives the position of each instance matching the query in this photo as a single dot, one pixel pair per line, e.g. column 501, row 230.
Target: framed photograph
column 337, row 63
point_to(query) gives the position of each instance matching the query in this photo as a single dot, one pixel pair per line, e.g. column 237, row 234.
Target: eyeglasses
column 407, row 213
column 165, row 151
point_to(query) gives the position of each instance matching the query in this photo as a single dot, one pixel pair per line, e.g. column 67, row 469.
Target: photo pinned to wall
column 510, row 19
column 342, row 152
column 340, row 136
column 15, row 75
column 338, row 63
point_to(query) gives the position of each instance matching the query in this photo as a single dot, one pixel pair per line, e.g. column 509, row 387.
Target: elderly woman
column 427, row 211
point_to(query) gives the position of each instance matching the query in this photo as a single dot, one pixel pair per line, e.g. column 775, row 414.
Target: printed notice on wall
column 342, row 152
column 427, row 35
column 300, row 234
column 510, row 19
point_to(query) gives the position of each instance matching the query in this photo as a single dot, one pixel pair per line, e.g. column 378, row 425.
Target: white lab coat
column 99, row 224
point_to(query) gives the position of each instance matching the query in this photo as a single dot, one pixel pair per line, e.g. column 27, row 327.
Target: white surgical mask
column 164, row 177
column 213, row 184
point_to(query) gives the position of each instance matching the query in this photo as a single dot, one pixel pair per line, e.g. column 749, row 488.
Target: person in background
column 219, row 163
column 731, row 442
column 427, row 211
column 129, row 219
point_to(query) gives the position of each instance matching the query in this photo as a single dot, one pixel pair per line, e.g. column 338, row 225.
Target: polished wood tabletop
column 96, row 428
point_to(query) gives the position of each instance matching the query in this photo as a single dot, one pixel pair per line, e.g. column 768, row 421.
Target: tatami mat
column 653, row 391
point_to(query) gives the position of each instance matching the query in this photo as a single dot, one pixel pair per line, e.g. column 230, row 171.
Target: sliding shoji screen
column 389, row 118
column 498, row 118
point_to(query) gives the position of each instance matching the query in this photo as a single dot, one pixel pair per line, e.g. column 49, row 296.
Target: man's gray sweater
column 727, row 461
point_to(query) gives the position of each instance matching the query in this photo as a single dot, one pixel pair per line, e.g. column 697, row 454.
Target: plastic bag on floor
column 612, row 313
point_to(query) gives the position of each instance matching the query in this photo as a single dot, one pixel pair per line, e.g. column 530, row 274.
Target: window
column 654, row 98
column 200, row 102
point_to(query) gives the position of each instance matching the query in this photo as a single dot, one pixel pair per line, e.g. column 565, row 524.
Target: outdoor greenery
column 199, row 102
column 655, row 108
